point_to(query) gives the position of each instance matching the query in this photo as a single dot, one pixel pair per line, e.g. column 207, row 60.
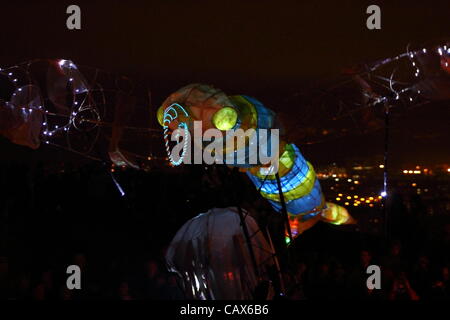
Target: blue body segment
column 290, row 181
column 303, row 204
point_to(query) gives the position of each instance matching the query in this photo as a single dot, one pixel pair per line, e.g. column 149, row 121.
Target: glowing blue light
column 304, row 204
column 290, row 181
column 168, row 118
column 119, row 188
column 265, row 116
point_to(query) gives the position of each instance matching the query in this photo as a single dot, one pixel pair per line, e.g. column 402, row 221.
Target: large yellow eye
column 225, row 118
column 160, row 115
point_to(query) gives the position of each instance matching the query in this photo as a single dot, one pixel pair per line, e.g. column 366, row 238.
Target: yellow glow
column 362, row 199
column 346, row 203
column 405, row 171
column 370, row 198
column 348, row 197
column 356, row 182
column 414, row 184
column 225, row 118
column 338, row 199
column 160, row 116
column 410, row 171
column 340, row 194
column 336, row 214
column 356, row 197
column 381, row 166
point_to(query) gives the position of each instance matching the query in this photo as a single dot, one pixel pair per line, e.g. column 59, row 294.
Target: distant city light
column 381, row 166
column 383, row 194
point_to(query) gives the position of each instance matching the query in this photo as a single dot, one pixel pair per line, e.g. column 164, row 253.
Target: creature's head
column 198, row 102
column 211, row 108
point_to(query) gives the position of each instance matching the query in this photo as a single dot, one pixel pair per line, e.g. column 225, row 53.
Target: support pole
column 283, row 207
column 385, row 171
column 244, row 225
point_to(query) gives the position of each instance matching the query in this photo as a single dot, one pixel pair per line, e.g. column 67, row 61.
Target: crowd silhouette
column 53, row 216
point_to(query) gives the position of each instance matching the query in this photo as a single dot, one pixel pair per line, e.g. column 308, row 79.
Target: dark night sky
column 261, row 48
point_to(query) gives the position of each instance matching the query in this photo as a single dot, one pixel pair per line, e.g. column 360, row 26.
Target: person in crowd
column 440, row 289
column 421, row 277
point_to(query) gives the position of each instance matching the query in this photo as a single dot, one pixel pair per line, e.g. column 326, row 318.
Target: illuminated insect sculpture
column 52, row 101
column 300, row 195
column 413, row 78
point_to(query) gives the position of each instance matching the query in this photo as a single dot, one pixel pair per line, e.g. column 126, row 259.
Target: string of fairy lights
column 69, row 104
column 27, row 88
